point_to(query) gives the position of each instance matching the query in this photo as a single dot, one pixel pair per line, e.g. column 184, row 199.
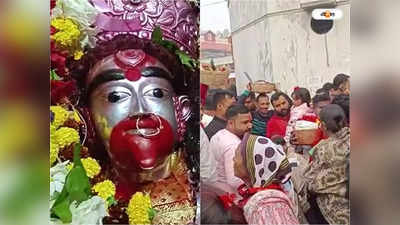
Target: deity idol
column 138, row 101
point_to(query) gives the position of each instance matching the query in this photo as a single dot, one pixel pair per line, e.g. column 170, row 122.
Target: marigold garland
column 91, row 166
column 78, row 54
column 52, row 132
column 138, row 209
column 65, row 136
column 54, row 149
column 61, row 137
column 68, row 32
column 105, row 189
column 60, row 116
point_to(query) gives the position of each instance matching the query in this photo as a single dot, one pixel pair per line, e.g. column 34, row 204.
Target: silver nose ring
column 158, row 129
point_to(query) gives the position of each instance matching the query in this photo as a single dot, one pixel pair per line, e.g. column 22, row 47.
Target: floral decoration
column 105, row 189
column 139, row 209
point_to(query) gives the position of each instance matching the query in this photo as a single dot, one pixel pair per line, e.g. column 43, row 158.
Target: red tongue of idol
column 138, row 143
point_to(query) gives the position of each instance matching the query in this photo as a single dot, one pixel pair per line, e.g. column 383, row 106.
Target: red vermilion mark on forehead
column 132, row 61
column 132, row 74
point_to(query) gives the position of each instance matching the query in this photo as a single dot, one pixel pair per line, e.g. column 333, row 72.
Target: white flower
column 83, row 13
column 91, row 211
column 57, row 177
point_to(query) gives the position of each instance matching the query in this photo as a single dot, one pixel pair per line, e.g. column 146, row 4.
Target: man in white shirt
column 224, row 143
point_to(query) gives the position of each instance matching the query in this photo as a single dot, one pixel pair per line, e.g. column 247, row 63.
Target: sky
column 214, row 15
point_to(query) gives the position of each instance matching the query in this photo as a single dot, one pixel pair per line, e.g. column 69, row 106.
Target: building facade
column 217, row 48
column 278, row 41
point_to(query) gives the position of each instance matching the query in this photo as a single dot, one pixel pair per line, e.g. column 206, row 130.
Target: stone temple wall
column 273, row 40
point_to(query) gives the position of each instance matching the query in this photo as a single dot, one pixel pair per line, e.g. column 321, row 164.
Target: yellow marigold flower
column 78, row 55
column 52, row 132
column 91, row 166
column 60, row 116
column 68, row 32
column 65, row 136
column 105, row 189
column 54, row 149
column 138, row 209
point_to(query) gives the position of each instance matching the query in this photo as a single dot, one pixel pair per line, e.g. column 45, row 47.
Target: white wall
column 273, row 40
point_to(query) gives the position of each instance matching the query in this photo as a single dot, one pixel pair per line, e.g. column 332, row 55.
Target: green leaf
column 111, row 201
column 55, row 195
column 61, row 197
column 54, row 76
column 152, row 213
column 61, row 207
column 77, row 182
column 62, row 211
column 76, row 188
column 77, row 155
column 156, row 35
column 78, row 185
column 186, row 59
column 170, row 45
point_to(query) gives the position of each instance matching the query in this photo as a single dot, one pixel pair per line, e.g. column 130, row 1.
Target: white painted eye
column 117, row 96
column 157, row 93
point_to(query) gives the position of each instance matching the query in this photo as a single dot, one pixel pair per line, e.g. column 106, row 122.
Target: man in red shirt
column 277, row 124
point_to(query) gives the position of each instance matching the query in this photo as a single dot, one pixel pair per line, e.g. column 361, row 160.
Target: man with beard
column 250, row 102
column 224, row 143
column 276, row 126
column 261, row 115
column 248, row 99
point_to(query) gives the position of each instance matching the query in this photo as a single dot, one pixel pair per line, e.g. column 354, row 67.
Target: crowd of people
column 285, row 165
